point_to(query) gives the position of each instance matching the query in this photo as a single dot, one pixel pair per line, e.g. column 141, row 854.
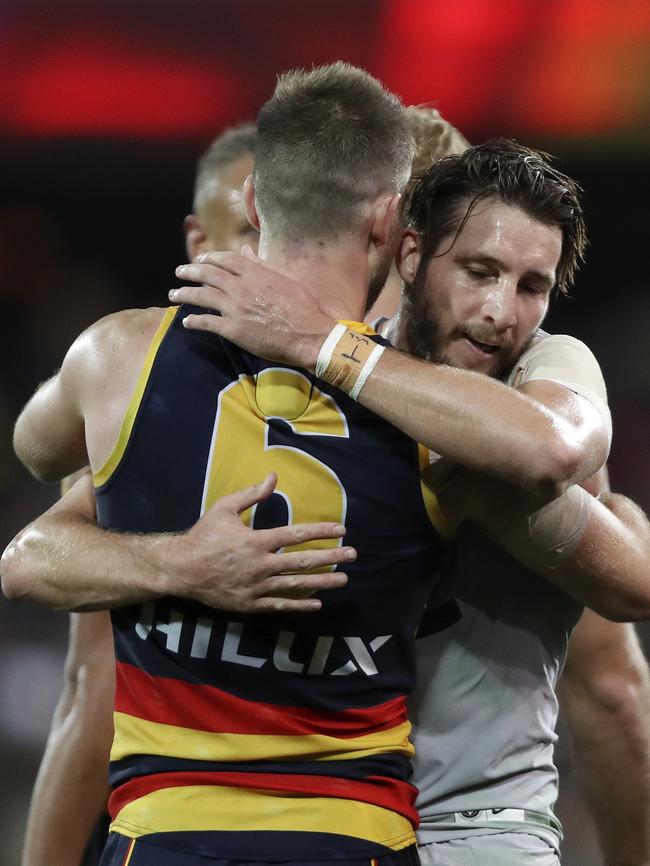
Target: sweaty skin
column 460, row 414
column 537, row 449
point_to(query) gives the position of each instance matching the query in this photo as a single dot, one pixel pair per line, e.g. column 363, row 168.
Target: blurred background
column 104, row 107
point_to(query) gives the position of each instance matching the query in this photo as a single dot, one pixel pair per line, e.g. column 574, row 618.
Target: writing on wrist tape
column 347, row 358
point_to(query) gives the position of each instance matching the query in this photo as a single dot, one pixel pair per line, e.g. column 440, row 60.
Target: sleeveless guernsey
column 274, row 736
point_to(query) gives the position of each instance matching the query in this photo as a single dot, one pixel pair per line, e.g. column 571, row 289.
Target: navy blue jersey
column 268, row 736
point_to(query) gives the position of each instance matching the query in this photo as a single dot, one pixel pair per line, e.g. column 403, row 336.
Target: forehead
column 233, row 175
column 503, row 231
column 225, row 185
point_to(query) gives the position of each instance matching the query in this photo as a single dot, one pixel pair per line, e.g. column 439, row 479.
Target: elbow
column 14, row 577
column 626, row 606
column 23, row 574
column 43, row 467
column 555, row 467
column 33, row 461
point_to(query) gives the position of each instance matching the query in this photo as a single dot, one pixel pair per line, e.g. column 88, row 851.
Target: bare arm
column 605, row 693
column 64, row 560
column 610, row 568
column 54, row 408
column 605, row 563
column 72, row 784
column 478, row 422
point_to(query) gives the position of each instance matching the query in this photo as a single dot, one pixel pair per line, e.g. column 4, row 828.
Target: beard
column 425, row 341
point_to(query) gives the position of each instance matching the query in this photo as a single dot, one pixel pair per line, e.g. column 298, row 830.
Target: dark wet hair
column 441, row 200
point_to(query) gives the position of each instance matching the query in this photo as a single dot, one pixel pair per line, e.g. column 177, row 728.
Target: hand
column 222, row 563
column 264, row 311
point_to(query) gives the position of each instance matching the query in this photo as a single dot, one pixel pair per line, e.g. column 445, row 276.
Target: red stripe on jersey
column 206, row 708
column 392, row 794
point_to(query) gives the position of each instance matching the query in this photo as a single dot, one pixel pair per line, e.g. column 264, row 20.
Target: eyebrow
column 483, row 258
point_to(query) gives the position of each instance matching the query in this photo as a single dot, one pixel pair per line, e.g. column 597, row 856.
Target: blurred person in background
column 485, row 709
column 67, row 824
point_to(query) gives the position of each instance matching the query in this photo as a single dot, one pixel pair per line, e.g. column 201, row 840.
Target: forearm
column 598, row 552
column 71, row 789
column 610, row 569
column 607, row 706
column 65, row 561
column 475, row 421
column 69, row 795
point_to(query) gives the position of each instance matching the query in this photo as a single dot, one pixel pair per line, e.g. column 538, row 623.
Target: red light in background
column 586, row 76
column 91, row 83
column 458, row 55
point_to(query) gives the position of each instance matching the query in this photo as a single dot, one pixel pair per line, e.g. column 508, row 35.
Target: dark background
column 104, row 108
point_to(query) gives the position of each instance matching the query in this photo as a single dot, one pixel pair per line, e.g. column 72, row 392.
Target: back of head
column 329, row 141
column 441, row 200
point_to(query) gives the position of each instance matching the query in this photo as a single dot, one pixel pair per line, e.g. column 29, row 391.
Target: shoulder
column 102, row 358
column 116, row 330
column 567, row 361
column 559, row 357
column 116, row 339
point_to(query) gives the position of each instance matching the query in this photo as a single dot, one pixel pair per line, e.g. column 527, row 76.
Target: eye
column 534, row 288
column 477, row 273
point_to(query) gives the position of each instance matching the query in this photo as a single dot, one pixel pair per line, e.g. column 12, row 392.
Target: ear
column 385, row 218
column 409, row 255
column 248, row 193
column 196, row 238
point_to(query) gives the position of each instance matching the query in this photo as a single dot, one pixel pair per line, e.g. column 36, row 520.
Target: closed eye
column 535, row 288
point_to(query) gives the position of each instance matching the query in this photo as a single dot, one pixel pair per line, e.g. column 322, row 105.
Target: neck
column 337, row 274
column 395, row 329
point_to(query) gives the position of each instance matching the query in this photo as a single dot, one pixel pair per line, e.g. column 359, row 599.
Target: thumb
column 247, row 253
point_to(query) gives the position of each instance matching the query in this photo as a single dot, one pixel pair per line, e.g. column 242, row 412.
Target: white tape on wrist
column 366, row 370
column 347, row 357
column 326, row 350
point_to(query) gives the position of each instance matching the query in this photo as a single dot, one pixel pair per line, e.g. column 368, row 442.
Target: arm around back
column 71, row 788
column 605, row 695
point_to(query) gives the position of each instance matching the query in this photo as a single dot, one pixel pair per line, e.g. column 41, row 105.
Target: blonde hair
column 434, row 138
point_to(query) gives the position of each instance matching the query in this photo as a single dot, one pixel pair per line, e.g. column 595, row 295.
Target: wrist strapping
column 347, row 358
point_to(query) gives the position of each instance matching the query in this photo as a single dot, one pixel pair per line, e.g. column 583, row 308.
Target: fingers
column 302, row 560
column 241, row 500
column 287, row 536
column 286, row 605
column 206, row 322
column 200, row 296
column 293, row 586
column 226, row 261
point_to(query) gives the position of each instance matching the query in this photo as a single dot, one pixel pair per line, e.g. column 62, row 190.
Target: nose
column 499, row 305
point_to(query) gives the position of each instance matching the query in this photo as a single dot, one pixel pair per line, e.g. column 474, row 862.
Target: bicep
column 49, row 434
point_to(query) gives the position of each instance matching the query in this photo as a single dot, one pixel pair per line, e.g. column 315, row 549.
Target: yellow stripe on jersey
column 129, row 853
column 220, row 807
column 135, row 736
column 102, row 475
column 435, row 512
